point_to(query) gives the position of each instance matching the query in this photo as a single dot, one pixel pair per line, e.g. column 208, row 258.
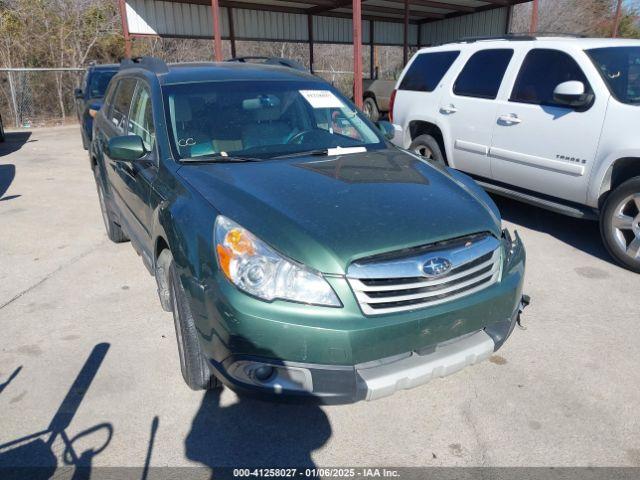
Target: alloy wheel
column 424, row 151
column 625, row 226
column 367, row 110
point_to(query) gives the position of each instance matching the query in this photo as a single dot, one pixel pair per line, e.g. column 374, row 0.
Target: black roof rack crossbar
column 523, row 37
column 152, row 64
column 284, row 62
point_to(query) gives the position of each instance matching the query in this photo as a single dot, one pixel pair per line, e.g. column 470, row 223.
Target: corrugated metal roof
column 489, row 22
column 287, row 20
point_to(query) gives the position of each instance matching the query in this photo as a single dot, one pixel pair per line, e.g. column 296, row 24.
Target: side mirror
column 572, row 94
column 94, row 108
column 128, row 148
column 387, row 129
column 77, row 93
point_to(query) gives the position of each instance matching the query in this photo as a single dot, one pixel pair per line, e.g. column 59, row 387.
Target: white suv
column 550, row 121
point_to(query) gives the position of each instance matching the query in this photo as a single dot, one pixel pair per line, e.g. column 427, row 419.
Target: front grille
column 398, row 285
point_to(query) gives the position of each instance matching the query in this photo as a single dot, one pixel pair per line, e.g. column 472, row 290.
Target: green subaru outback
column 300, row 252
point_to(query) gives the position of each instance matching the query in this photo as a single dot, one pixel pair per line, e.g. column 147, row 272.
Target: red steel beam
column 357, row 52
column 217, row 35
column 616, row 21
column 533, row 28
column 125, row 28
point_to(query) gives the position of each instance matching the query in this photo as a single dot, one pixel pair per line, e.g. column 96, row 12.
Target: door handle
column 448, row 109
column 511, row 119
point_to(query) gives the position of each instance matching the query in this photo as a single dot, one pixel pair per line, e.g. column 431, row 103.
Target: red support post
column 534, row 17
column 405, row 43
column 616, row 22
column 217, row 35
column 357, row 53
column 125, row 28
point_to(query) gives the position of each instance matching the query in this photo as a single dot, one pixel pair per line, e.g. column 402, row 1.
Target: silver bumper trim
column 415, row 370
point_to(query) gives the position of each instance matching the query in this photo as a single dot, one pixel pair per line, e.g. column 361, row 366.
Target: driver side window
column 141, row 117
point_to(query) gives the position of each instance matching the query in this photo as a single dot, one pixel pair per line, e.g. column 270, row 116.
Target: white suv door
column 540, row 144
column 468, row 109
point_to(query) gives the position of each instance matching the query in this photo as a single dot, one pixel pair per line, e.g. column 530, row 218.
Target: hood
column 326, row 212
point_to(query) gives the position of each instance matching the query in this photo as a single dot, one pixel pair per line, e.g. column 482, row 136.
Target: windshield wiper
column 220, row 159
column 307, row 153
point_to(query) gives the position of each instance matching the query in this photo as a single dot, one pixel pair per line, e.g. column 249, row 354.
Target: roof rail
column 152, row 64
column 523, row 37
column 284, row 62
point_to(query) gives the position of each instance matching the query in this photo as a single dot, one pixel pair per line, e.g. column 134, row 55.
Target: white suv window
column 482, row 76
column 426, row 71
column 541, row 72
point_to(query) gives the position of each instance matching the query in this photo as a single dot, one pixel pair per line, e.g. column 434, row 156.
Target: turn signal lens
column 256, row 268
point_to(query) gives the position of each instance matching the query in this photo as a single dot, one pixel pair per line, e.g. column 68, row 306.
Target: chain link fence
column 38, row 97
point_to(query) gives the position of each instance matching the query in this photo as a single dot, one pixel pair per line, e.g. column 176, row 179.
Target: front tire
column 620, row 224
column 193, row 363
column 427, row 147
column 114, row 231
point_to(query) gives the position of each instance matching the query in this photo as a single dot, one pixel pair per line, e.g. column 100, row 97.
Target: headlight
column 256, row 268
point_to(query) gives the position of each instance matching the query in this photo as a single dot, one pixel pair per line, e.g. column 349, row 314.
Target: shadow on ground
column 14, row 141
column 583, row 235
column 256, row 433
column 36, row 456
column 7, row 175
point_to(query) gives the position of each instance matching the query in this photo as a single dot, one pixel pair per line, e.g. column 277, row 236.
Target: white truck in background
column 549, row 121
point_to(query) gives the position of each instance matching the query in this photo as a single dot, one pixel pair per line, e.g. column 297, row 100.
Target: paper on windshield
column 345, row 150
column 321, row 99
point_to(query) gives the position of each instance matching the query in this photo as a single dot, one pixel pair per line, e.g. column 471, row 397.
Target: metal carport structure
column 406, row 23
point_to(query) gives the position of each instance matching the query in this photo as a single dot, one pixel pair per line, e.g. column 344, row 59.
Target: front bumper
column 368, row 381
column 339, row 355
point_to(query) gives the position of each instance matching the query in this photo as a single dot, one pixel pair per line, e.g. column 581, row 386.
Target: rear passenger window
column 542, row 71
column 427, row 70
column 122, row 103
column 482, row 76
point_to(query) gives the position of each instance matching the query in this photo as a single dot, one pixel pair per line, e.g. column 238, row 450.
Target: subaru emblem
column 436, row 267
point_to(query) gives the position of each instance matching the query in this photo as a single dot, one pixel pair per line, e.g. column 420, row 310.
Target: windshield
column 262, row 119
column 99, row 82
column 620, row 68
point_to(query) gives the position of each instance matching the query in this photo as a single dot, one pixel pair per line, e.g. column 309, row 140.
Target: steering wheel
column 298, row 138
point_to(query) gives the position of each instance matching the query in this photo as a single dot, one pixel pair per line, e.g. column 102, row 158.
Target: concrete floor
column 87, row 352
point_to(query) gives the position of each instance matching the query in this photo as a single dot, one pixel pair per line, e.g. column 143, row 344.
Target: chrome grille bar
column 399, row 284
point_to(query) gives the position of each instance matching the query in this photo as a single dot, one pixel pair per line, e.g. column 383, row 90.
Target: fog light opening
column 264, row 373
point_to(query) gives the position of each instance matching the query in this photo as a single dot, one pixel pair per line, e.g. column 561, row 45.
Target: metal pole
column 232, row 32
column 616, row 22
column 217, row 37
column 372, row 53
column 13, row 99
column 405, row 43
column 125, row 28
column 310, row 30
column 534, row 17
column 357, row 52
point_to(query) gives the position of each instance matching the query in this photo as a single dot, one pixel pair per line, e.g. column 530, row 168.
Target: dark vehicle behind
column 89, row 97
